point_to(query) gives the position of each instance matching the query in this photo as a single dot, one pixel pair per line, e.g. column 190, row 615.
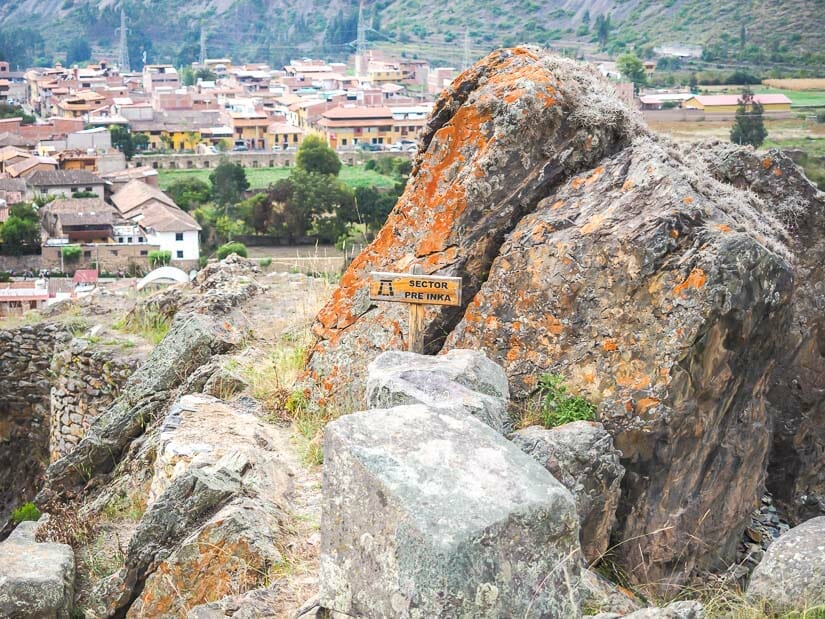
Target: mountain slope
column 787, row 32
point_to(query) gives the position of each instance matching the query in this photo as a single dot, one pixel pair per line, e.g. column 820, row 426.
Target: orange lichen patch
column 514, row 95
column 435, row 261
column 593, row 224
column 696, row 279
column 628, row 407
column 609, row 345
column 777, row 172
column 628, row 185
column 723, row 228
column 589, row 376
column 674, row 233
column 557, row 205
column 553, row 325
column 767, row 162
column 513, row 354
column 627, row 376
column 541, row 230
column 645, row 403
column 491, row 322
column 588, row 142
column 577, row 182
column 688, row 200
column 594, row 175
column 530, row 380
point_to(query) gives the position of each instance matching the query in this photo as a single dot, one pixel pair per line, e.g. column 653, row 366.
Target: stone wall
column 25, row 382
column 86, row 380
column 275, row 159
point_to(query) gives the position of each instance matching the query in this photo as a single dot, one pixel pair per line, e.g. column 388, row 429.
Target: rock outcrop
column 426, row 514
column 792, row 574
column 796, row 396
column 592, row 249
column 36, row 579
column 461, row 382
column 582, row 457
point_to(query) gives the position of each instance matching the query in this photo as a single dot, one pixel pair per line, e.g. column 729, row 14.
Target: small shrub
column 71, row 253
column 27, row 511
column 231, row 248
column 265, row 262
column 820, row 117
column 203, row 261
column 160, row 258
column 559, row 407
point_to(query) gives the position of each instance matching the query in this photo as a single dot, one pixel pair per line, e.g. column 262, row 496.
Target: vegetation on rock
column 27, row 511
column 558, row 406
column 231, row 248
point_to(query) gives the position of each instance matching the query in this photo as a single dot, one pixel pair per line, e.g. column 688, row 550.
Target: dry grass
column 796, row 83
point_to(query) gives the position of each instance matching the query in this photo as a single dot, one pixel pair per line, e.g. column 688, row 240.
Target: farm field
column 260, row 178
column 799, row 98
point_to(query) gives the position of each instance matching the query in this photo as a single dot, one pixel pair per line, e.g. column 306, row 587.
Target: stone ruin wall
column 51, row 389
column 85, row 382
column 25, row 381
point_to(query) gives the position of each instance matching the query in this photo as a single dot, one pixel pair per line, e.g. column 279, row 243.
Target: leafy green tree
column 78, row 50
column 228, row 182
column 257, row 212
column 309, row 201
column 122, row 140
column 748, row 125
column 693, row 82
column 374, row 206
column 631, row 66
column 315, row 156
column 189, row 193
column 140, row 141
column 602, row 30
column 160, row 258
column 15, row 111
column 21, row 231
column 205, row 75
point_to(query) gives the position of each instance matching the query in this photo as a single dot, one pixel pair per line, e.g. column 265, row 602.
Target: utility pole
column 361, row 45
column 202, row 57
column 466, row 64
column 123, row 60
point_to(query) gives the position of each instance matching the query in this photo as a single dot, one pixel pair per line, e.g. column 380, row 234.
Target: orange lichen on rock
column 723, row 228
column 628, row 185
column 645, row 403
column 696, row 279
column 557, row 205
column 609, row 345
column 553, row 325
column 688, row 200
column 767, row 162
column 777, row 171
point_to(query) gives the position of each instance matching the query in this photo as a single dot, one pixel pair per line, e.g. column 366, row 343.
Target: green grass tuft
column 27, row 511
column 559, row 407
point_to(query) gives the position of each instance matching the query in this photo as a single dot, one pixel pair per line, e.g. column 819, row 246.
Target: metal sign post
column 417, row 290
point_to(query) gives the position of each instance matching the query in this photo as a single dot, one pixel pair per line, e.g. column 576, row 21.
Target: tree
column 122, row 140
column 311, row 201
column 602, row 30
column 78, row 50
column 189, row 193
column 257, row 212
column 231, row 248
column 21, row 230
column 748, row 126
column 374, row 206
column 633, row 69
column 315, row 156
column 15, row 111
column 228, row 183
column 694, row 84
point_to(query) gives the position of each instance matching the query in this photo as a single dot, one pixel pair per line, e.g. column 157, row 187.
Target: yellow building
column 347, row 125
column 727, row 104
column 170, row 138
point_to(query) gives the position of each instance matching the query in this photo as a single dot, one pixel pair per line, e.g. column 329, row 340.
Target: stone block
column 463, row 382
column 427, row 514
column 36, row 580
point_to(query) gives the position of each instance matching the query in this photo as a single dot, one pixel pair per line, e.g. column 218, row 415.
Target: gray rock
column 689, row 609
column 255, row 604
column 792, row 574
column 36, row 580
column 460, row 382
column 599, row 593
column 582, row 457
column 430, row 515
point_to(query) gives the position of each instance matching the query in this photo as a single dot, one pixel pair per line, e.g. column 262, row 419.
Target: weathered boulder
column 660, row 293
column 796, row 475
column 582, row 457
column 499, row 139
column 36, row 579
column 688, row 609
column 792, row 574
column 430, row 515
column 661, row 296
column 255, row 604
column 462, row 382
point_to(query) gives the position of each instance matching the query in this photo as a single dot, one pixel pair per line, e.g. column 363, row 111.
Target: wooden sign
column 417, row 290
column 412, row 288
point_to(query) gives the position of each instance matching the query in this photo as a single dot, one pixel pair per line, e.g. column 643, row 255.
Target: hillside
column 786, row 33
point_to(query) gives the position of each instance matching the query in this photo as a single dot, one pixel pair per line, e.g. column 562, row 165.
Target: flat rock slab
column 430, row 515
column 36, row 580
column 792, row 574
column 463, row 382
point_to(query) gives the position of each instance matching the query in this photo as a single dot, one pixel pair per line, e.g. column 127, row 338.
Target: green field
column 259, row 178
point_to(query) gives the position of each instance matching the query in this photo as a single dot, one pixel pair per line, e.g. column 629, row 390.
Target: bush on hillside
column 160, row 258
column 27, row 511
column 559, row 407
column 71, row 253
column 231, row 248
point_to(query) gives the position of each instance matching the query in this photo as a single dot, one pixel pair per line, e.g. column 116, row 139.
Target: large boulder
column 501, row 137
column 796, row 396
column 36, row 579
column 792, row 574
column 462, row 382
column 582, row 457
column 430, row 515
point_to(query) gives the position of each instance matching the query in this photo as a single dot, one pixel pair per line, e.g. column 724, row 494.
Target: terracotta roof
column 136, row 192
column 85, row 276
column 151, row 208
column 357, row 112
column 283, row 128
column 734, row 99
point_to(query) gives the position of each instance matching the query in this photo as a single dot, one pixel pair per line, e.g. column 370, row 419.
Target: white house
column 163, row 222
